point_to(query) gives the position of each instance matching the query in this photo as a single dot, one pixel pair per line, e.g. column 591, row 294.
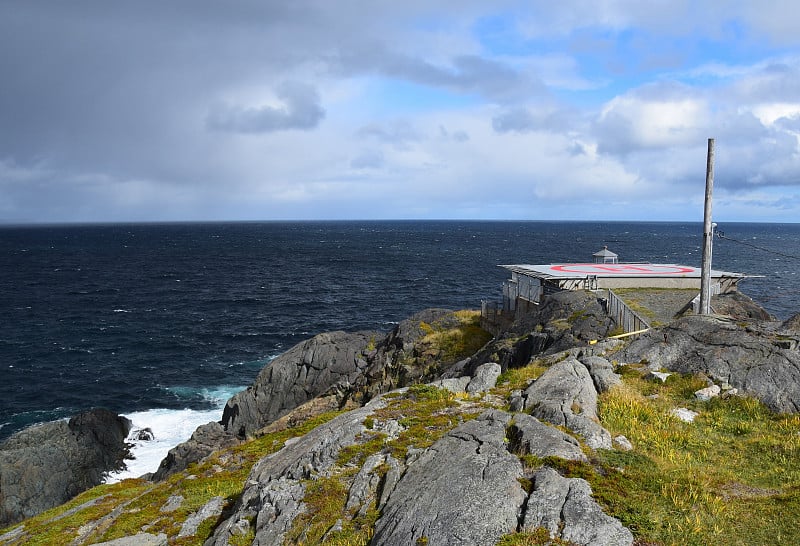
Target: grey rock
column 484, row 378
column 142, row 434
column 516, row 401
column 602, row 373
column 704, row 395
column 658, row 376
column 730, row 393
column 564, row 395
column 567, row 319
column 564, row 506
column 173, row 503
column 141, row 539
column 453, row 384
column 365, row 485
column 528, row 435
column 510, row 353
column 274, row 490
column 48, row 464
column 684, row 414
column 396, row 469
column 623, row 443
column 211, row 509
column 446, row 503
column 322, row 364
column 751, row 358
column 205, row 440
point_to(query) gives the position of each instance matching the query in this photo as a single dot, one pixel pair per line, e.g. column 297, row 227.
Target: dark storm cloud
column 302, row 110
column 468, row 74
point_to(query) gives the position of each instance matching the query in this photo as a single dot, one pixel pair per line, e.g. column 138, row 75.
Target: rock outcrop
column 564, row 506
column 439, row 502
column 327, row 362
column 568, row 318
column 565, row 396
column 757, row 359
column 204, row 440
column 273, row 494
column 473, row 473
column 46, row 465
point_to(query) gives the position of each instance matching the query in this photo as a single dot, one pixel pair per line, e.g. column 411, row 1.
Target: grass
column 453, row 343
column 731, row 477
column 519, row 378
column 426, row 413
column 142, row 500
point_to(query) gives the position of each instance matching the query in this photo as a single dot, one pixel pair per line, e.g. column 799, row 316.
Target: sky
column 200, row 110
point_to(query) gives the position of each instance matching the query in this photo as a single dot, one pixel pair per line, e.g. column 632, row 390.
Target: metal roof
column 618, row 270
column 605, row 253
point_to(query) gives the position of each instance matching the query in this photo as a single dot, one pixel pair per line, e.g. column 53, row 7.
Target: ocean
column 164, row 322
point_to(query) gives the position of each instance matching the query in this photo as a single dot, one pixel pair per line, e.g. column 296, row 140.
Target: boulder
column 440, row 502
column 565, row 396
column 46, row 465
column 569, row 318
column 528, row 435
column 204, row 440
column 327, row 362
column 755, row 359
column 484, row 378
column 602, row 373
column 565, row 507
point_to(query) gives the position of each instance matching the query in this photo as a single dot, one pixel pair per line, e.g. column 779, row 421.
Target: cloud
column 195, row 110
column 523, row 119
column 371, row 159
column 301, row 110
column 399, row 133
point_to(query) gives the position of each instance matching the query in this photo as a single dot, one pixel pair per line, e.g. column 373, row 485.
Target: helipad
column 572, row 271
column 532, row 279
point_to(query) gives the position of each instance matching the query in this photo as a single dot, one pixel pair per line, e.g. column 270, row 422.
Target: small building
column 605, row 256
column 529, row 283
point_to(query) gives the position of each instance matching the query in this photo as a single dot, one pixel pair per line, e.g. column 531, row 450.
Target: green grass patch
column 518, row 378
column 143, row 500
column 456, row 342
column 726, row 478
column 537, row 537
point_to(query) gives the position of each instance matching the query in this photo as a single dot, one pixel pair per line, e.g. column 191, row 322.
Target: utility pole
column 708, row 235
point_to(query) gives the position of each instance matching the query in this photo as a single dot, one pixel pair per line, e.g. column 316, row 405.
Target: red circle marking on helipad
column 622, row 269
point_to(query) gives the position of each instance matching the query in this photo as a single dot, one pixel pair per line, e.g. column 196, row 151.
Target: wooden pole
column 708, row 235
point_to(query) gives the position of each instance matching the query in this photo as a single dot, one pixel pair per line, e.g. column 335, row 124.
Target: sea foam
column 169, row 428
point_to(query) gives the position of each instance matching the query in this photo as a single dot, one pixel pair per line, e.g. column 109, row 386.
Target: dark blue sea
column 172, row 317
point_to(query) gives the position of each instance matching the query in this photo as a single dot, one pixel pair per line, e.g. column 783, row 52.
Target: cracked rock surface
column 565, row 396
column 273, row 494
column 473, row 502
column 757, row 360
column 564, row 506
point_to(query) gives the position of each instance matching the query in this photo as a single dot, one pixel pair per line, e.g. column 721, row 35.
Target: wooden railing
column 624, row 316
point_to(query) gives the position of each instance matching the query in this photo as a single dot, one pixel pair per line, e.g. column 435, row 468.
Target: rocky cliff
column 534, row 437
column 48, row 464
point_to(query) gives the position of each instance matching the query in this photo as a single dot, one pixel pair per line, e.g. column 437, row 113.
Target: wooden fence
column 624, row 316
